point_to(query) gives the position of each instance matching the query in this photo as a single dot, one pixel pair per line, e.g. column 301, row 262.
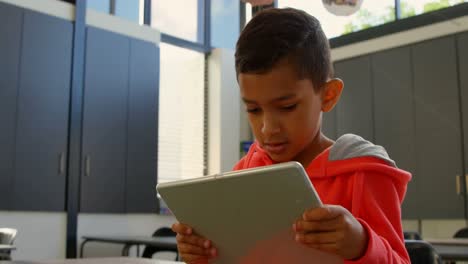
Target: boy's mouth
column 275, row 147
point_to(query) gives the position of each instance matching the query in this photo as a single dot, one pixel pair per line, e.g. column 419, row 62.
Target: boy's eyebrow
column 281, row 98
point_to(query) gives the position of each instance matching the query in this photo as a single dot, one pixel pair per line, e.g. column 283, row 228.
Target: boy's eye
column 289, row 107
column 253, row 110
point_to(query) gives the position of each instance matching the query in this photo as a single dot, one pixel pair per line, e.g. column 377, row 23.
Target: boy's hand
column 333, row 229
column 192, row 248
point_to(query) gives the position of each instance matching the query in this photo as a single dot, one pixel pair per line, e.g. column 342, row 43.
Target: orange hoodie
column 359, row 176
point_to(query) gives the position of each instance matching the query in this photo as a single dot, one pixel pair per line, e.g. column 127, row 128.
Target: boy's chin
column 280, row 158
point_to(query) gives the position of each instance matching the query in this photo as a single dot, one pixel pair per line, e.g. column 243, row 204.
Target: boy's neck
column 320, row 143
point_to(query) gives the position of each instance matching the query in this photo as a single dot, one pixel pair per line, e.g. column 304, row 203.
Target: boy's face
column 284, row 112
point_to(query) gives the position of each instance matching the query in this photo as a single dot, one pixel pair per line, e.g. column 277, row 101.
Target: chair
column 411, row 235
column 421, row 252
column 7, row 237
column 161, row 232
column 462, row 233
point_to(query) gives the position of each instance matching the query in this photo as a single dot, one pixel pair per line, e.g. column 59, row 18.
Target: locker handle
column 61, row 163
column 458, row 184
column 87, row 165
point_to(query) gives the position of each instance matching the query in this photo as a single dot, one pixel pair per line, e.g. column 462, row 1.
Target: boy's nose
column 270, row 125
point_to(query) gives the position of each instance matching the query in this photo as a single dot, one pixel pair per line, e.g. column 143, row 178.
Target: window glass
column 248, row 12
column 102, row 6
column 178, row 18
column 129, row 9
column 416, row 7
column 224, row 23
column 181, row 114
column 372, row 13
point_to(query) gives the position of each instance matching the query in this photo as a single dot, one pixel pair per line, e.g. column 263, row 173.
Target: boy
column 285, row 78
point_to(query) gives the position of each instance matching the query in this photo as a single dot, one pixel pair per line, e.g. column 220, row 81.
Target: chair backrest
column 462, row 233
column 7, row 236
column 160, row 232
column 421, row 252
column 412, row 235
column 164, row 232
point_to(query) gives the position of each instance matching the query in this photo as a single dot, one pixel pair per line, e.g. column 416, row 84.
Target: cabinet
column 413, row 101
column 42, row 115
column 462, row 48
column 34, row 109
column 329, row 124
column 119, row 124
column 142, row 140
column 120, row 116
column 354, row 111
column 438, row 128
column 394, row 124
column 10, row 27
column 104, row 122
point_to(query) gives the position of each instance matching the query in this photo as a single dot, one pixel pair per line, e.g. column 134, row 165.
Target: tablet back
column 248, row 214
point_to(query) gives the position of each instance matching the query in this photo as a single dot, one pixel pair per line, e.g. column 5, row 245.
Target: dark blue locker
column 10, row 35
column 462, row 47
column 354, row 110
column 394, row 116
column 42, row 117
column 105, row 122
column 142, row 127
column 437, row 116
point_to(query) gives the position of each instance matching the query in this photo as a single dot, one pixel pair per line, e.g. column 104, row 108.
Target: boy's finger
column 325, row 212
column 194, row 240
column 185, row 248
column 318, row 238
column 302, row 226
column 182, row 229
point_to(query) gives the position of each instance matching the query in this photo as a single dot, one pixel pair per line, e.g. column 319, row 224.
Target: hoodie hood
column 351, row 146
column 350, row 153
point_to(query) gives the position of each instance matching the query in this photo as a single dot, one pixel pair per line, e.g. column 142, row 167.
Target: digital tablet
column 248, row 214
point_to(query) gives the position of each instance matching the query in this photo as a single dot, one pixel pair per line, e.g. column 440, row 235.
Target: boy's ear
column 331, row 94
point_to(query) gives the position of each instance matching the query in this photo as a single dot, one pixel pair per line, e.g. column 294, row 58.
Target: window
column 178, row 18
column 130, row 10
column 372, row 13
column 248, row 12
column 416, row 7
column 127, row 9
column 181, row 114
column 224, row 23
column 102, row 6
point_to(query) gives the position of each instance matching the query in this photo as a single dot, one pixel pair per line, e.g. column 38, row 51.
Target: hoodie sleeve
column 377, row 206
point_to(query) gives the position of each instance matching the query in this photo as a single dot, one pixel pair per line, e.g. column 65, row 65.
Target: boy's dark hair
column 274, row 34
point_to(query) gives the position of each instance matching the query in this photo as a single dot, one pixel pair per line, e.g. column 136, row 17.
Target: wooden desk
column 165, row 243
column 96, row 261
column 451, row 249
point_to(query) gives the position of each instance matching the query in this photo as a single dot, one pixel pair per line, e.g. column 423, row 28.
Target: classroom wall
column 223, row 112
column 40, row 235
